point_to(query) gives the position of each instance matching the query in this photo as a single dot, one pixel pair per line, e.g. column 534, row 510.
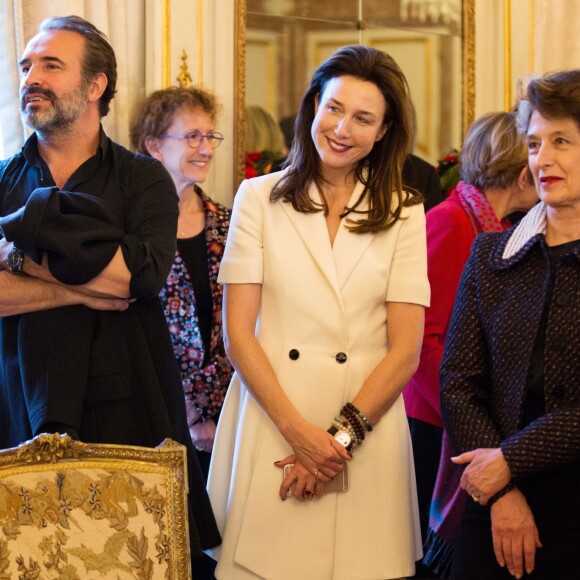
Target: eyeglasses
column 195, row 139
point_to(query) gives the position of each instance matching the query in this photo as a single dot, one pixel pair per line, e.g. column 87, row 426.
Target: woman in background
column 325, row 286
column 495, row 183
column 264, row 142
column 510, row 393
column 177, row 127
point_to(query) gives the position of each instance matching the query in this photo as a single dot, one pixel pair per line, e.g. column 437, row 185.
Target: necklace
column 191, row 220
column 190, row 224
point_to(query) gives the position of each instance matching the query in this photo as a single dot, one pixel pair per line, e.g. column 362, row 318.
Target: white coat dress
column 324, row 302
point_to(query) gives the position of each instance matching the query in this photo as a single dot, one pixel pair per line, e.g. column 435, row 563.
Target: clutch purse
column 339, row 483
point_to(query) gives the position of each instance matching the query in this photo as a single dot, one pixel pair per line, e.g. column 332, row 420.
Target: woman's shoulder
column 487, row 251
column 449, row 216
column 214, row 207
column 267, row 181
column 258, row 189
column 450, row 206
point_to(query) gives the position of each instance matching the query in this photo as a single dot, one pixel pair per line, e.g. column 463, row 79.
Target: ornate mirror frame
column 468, row 78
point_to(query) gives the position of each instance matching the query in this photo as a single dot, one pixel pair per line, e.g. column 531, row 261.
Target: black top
column 422, row 176
column 194, row 254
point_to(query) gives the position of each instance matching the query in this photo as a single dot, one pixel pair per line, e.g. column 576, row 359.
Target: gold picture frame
column 468, row 77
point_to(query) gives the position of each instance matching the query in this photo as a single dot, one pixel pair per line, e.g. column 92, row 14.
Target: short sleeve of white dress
column 243, row 259
column 408, row 281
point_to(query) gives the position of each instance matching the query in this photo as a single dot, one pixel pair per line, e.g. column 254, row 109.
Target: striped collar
column 533, row 224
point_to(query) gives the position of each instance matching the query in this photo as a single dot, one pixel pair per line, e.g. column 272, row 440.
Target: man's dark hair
column 99, row 55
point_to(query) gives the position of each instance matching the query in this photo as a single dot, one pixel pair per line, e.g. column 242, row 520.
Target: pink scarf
column 478, row 209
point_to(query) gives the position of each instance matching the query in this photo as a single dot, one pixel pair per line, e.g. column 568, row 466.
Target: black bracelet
column 348, row 412
column 367, row 423
column 511, row 485
column 353, row 420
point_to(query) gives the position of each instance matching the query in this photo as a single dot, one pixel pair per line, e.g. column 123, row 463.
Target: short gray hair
column 494, row 153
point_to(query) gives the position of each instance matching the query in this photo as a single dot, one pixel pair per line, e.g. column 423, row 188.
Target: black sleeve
column 75, row 230
column 422, row 176
column 464, row 372
column 80, row 233
column 151, row 226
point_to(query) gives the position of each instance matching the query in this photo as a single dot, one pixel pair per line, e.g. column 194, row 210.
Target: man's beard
column 63, row 112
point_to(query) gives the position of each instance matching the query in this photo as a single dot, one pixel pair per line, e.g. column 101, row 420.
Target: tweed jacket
column 500, row 303
column 205, row 378
column 450, row 234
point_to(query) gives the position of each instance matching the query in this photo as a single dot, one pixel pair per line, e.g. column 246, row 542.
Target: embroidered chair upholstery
column 77, row 510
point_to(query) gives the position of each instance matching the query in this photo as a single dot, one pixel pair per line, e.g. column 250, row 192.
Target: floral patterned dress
column 205, row 376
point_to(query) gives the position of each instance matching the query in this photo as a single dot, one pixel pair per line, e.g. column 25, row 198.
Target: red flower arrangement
column 261, row 162
column 448, row 170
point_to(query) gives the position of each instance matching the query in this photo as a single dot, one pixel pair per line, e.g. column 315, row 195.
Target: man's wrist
column 15, row 260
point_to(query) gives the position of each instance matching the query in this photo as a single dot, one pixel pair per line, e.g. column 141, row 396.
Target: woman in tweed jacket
column 510, row 387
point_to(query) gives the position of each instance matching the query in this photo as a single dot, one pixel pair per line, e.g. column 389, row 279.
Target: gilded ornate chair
column 72, row 510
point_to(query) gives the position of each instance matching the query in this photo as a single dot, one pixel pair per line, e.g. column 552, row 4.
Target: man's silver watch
column 15, row 260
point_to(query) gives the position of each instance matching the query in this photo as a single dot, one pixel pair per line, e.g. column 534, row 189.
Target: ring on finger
column 475, row 498
column 316, row 471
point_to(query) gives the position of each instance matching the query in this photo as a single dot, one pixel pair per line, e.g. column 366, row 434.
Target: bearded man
column 88, row 235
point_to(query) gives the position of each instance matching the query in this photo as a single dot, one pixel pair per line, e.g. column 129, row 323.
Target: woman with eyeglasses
column 177, row 127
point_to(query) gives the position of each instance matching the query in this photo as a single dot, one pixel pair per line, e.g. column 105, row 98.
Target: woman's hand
column 203, row 434
column 317, row 450
column 306, row 485
column 514, row 532
column 487, row 472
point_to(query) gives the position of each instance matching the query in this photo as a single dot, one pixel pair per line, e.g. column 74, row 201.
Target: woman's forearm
column 385, row 383
column 241, row 306
column 315, row 448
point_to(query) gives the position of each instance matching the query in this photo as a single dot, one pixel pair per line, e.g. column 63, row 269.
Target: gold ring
column 316, row 473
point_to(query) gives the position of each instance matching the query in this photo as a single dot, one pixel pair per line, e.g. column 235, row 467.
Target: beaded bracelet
column 367, row 423
column 352, row 419
column 343, row 425
column 354, row 441
column 356, row 427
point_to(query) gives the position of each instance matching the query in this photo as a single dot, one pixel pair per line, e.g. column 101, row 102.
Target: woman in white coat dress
column 325, row 288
